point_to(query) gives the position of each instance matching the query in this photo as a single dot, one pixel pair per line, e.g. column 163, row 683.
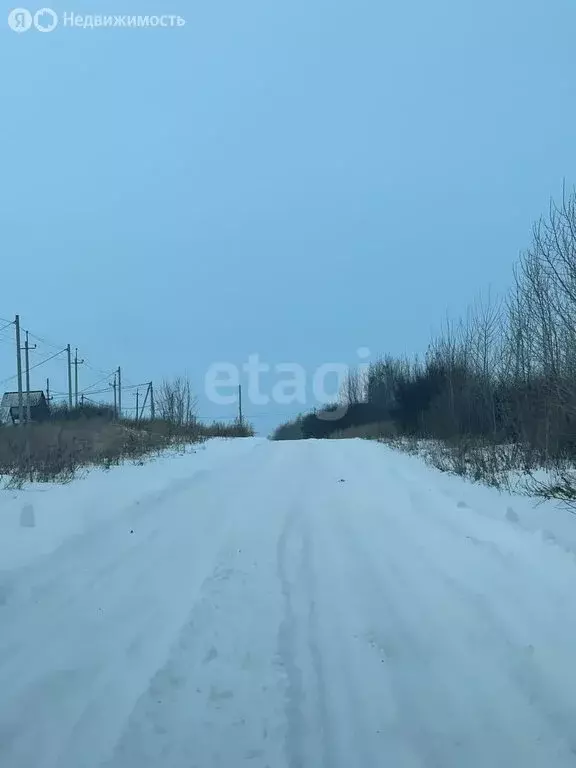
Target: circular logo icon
column 45, row 20
column 20, row 20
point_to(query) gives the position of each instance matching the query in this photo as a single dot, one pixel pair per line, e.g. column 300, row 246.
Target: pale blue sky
column 294, row 179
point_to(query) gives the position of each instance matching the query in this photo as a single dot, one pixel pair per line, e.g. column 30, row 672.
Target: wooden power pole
column 113, row 385
column 19, row 370
column 76, row 364
column 27, row 349
column 69, row 377
column 119, row 392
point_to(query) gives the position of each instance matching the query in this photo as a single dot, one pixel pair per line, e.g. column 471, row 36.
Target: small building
column 10, row 409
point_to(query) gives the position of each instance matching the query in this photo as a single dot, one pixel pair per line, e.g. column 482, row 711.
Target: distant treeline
column 506, row 373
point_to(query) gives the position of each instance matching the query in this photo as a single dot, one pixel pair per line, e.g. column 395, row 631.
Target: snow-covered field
column 317, row 604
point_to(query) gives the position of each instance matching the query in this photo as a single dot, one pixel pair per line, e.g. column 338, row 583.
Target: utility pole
column 137, row 396
column 82, row 400
column 113, row 385
column 152, row 406
column 119, row 392
column 240, row 404
column 76, row 364
column 27, row 349
column 19, row 369
column 143, row 403
column 69, row 377
column 49, row 397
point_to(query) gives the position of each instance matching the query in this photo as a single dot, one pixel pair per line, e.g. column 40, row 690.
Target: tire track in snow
column 287, row 650
column 307, row 714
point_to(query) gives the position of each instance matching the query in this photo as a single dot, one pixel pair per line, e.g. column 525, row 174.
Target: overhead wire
column 98, row 370
column 90, row 389
column 45, row 341
column 36, row 365
column 86, row 389
column 95, row 392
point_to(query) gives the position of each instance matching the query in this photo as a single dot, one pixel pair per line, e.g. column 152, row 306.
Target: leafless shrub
column 405, row 443
column 352, row 391
column 375, row 431
column 560, row 487
column 224, row 429
column 55, row 451
column 176, row 403
column 290, row 430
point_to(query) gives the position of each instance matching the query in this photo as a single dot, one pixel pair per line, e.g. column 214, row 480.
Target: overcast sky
column 294, row 179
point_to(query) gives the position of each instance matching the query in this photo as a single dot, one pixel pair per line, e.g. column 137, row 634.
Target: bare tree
column 352, row 388
column 485, row 341
column 176, row 403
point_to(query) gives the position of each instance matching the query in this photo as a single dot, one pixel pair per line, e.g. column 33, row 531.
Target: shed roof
column 10, row 399
column 9, row 407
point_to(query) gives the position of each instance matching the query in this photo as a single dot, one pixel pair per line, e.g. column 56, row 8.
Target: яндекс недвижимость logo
column 46, row 20
column 21, row 20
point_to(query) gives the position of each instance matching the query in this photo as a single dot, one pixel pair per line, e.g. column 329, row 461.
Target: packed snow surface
column 316, row 604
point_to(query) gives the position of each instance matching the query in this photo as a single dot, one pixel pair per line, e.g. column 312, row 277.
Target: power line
column 44, row 341
column 93, row 402
column 98, row 370
column 87, row 391
column 37, row 365
column 37, row 353
column 135, row 386
column 96, row 392
column 96, row 383
column 91, row 389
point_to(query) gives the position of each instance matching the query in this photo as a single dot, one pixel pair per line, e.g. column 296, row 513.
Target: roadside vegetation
column 90, row 435
column 495, row 396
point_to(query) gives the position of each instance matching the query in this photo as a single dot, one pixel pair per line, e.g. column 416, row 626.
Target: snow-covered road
column 319, row 604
